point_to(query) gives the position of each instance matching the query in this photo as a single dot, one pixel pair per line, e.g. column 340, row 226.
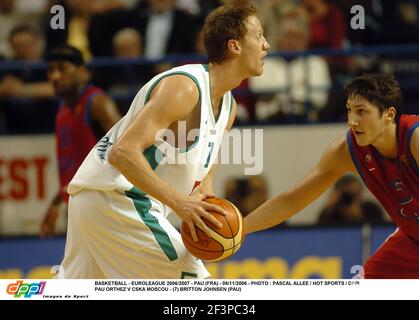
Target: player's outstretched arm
column 173, row 99
column 334, row 163
column 414, row 145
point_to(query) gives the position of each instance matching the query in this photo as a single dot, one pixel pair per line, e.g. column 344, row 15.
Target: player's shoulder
column 414, row 142
column 339, row 146
column 409, row 120
column 176, row 96
column 178, row 86
column 181, row 81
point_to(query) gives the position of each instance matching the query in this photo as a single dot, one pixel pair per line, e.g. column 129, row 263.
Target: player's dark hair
column 382, row 90
column 66, row 53
column 223, row 24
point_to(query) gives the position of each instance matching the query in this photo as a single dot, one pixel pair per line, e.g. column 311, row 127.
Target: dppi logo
column 26, row 289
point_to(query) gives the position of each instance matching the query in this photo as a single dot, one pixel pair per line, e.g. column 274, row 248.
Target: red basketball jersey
column 74, row 136
column 395, row 183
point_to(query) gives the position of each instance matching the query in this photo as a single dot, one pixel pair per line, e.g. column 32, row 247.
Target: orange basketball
column 223, row 242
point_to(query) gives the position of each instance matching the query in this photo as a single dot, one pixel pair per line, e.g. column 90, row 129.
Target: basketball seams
column 240, row 233
column 222, row 242
column 217, row 238
column 239, row 218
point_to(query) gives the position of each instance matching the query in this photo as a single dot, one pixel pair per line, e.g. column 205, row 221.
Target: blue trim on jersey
column 353, row 155
column 87, row 117
column 153, row 156
column 409, row 139
column 231, row 102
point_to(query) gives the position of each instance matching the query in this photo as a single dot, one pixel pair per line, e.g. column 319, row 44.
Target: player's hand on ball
column 223, row 242
column 193, row 208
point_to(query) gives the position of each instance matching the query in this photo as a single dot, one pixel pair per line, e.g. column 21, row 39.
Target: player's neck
column 386, row 143
column 222, row 79
column 71, row 98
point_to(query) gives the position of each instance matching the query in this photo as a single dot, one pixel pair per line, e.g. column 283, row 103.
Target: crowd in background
column 294, row 88
column 139, row 35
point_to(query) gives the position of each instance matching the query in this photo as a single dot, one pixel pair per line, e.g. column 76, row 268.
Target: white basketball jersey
column 183, row 169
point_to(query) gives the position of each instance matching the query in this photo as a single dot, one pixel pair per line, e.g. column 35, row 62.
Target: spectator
column 292, row 88
column 327, row 24
column 10, row 17
column 346, row 205
column 166, row 29
column 19, row 88
column 271, row 13
column 27, row 43
column 127, row 43
column 86, row 113
column 105, row 24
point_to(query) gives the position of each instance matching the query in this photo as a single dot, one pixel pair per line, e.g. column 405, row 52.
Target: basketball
column 224, row 241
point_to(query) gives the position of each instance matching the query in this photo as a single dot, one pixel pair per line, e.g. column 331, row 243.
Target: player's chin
column 258, row 71
column 362, row 142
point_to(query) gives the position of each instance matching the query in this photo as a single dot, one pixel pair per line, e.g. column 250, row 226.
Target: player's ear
column 391, row 114
column 234, row 46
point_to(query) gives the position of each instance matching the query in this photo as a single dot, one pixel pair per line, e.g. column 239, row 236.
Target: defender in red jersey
column 382, row 146
column 85, row 114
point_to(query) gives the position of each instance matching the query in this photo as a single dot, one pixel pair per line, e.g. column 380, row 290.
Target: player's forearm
column 135, row 167
column 271, row 213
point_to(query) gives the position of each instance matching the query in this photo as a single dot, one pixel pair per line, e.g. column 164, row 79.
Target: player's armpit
column 414, row 145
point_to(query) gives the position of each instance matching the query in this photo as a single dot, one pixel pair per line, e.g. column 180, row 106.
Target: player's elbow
column 117, row 156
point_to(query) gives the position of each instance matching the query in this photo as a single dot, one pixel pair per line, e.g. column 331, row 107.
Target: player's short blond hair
column 223, row 24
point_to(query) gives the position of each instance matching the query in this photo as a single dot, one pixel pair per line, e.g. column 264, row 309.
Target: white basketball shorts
column 117, row 235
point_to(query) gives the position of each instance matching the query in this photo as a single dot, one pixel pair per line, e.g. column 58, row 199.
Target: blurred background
column 298, row 102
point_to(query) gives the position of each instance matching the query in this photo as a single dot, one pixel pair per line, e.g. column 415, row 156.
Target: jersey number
column 211, row 147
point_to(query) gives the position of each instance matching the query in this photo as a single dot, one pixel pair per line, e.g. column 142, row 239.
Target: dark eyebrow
column 357, row 106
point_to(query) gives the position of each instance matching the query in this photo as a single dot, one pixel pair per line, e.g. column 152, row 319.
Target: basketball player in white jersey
column 133, row 179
